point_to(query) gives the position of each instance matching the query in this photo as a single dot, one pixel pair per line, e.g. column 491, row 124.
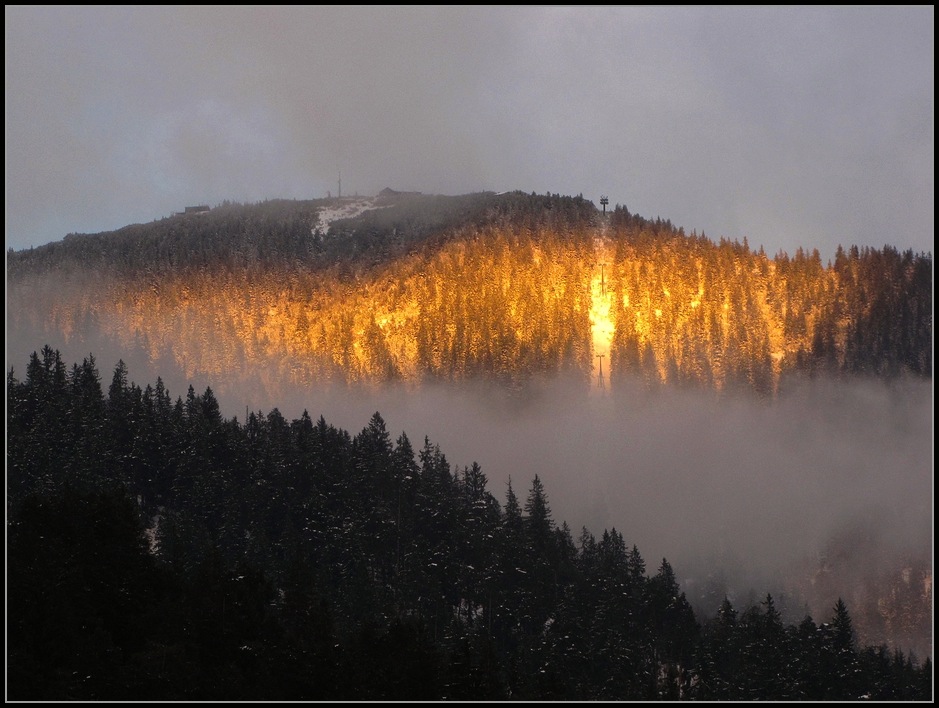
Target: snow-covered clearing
column 347, row 208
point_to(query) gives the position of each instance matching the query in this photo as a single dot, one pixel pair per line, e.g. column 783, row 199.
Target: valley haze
column 742, row 495
column 751, row 488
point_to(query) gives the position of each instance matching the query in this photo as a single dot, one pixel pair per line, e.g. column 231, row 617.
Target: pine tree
column 840, row 656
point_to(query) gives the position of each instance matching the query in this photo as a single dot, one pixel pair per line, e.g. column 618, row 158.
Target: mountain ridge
column 503, row 287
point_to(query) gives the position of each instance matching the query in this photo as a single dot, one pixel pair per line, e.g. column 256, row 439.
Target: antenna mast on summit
column 340, row 184
column 600, row 375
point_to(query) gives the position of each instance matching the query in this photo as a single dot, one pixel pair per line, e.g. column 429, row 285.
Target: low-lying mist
column 742, row 495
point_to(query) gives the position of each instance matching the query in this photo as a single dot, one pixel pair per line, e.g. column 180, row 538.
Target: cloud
column 791, row 126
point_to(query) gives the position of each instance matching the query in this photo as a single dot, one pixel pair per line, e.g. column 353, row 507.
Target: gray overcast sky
column 790, row 126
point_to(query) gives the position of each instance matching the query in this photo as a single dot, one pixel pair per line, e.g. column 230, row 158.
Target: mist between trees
column 200, row 557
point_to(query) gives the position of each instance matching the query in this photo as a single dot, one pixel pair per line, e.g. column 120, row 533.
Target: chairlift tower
column 600, row 384
column 604, row 200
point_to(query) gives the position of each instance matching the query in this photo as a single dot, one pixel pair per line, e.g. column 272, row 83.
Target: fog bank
column 686, row 475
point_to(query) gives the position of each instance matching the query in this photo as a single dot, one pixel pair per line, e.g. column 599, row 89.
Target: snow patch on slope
column 344, row 209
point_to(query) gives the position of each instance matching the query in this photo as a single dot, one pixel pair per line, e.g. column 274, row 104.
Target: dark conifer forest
column 158, row 550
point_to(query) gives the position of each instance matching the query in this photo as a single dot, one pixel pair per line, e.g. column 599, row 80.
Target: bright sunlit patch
column 601, row 322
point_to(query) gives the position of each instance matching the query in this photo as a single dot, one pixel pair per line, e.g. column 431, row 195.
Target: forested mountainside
column 502, row 287
column 160, row 551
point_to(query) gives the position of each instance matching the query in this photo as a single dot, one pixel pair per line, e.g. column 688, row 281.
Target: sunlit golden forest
column 501, row 287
